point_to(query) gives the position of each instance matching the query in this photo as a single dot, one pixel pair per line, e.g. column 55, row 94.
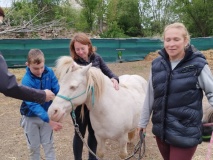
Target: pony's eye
column 67, row 70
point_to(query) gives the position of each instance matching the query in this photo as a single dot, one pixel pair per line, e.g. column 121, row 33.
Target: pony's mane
column 65, row 64
column 95, row 80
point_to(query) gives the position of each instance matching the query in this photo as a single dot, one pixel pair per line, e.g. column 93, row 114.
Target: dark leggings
column 170, row 152
column 77, row 142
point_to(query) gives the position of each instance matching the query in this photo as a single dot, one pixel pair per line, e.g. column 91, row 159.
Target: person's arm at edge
column 9, row 86
column 205, row 81
column 147, row 107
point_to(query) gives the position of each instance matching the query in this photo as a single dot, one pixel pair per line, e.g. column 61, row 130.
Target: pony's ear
column 90, row 64
column 65, row 64
column 85, row 69
column 75, row 66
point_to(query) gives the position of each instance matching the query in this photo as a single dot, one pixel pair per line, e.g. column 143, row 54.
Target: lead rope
column 137, row 148
column 79, row 133
column 74, row 117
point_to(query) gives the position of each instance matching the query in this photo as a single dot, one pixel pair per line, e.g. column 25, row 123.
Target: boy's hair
column 2, row 12
column 35, row 56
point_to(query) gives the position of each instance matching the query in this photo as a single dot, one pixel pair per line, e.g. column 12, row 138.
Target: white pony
column 113, row 113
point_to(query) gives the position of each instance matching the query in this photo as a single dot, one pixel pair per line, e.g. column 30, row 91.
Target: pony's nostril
column 56, row 111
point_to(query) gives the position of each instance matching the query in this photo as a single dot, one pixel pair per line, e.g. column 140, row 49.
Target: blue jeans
column 77, row 142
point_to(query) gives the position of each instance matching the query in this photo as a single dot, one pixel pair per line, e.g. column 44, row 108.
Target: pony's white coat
column 114, row 114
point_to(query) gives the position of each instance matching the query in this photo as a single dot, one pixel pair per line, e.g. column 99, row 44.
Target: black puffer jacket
column 98, row 62
column 177, row 108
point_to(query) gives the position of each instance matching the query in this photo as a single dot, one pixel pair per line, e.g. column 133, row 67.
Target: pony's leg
column 100, row 146
column 123, row 146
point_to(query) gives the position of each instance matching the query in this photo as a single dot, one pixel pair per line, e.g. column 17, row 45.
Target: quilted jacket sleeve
column 10, row 87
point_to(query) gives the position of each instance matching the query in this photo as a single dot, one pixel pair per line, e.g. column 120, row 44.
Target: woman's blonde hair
column 83, row 39
column 180, row 26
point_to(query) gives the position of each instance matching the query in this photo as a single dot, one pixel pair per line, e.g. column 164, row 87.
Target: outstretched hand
column 49, row 95
column 56, row 126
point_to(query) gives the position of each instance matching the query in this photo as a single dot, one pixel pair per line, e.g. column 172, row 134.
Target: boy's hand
column 56, row 126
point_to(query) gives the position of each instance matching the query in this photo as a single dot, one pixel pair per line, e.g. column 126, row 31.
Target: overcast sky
column 5, row 3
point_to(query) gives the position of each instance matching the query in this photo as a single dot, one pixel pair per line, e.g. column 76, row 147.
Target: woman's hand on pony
column 115, row 83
